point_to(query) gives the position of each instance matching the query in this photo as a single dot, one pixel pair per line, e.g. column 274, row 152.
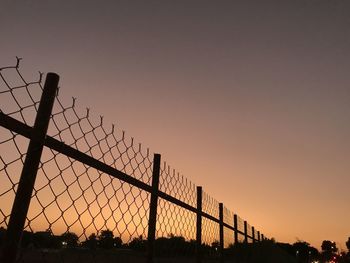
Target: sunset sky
column 249, row 99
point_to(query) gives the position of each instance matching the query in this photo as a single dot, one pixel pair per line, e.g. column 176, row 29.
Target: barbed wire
column 210, row 205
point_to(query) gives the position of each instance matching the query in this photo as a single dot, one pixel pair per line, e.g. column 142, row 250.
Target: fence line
column 91, row 179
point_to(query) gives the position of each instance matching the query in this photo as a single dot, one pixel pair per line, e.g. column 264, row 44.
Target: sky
column 249, row 99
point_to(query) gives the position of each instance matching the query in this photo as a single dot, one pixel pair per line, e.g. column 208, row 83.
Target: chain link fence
column 94, row 189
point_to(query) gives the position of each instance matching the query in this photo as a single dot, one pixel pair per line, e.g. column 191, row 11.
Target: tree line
column 105, row 239
column 172, row 245
column 304, row 253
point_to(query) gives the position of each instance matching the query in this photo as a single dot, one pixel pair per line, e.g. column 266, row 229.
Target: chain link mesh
column 240, row 224
column 228, row 233
column 228, row 237
column 93, row 138
column 210, row 232
column 228, row 216
column 19, row 98
column 176, row 229
column 176, row 185
column 249, row 233
column 256, row 234
column 68, row 195
column 72, row 197
column 210, row 205
column 210, row 229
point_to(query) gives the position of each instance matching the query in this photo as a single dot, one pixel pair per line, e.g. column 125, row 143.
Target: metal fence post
column 199, row 225
column 152, row 221
column 253, row 234
column 259, row 236
column 245, row 232
column 30, row 167
column 221, row 230
column 235, row 225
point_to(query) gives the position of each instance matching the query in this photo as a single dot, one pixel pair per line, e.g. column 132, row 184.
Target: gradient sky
column 250, row 99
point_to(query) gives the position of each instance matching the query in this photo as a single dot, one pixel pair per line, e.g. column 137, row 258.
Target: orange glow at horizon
column 248, row 99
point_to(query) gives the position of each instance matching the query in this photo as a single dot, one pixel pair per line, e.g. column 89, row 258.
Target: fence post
column 235, row 225
column 199, row 225
column 262, row 237
column 153, row 208
column 245, row 232
column 221, row 230
column 26, row 183
column 259, row 236
column 253, row 234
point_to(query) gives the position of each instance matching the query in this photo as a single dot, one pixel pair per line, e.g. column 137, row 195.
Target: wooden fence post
column 30, row 168
column 152, row 221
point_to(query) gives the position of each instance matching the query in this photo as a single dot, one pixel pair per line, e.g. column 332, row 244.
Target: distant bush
column 69, row 240
column 45, row 239
column 174, row 245
column 91, row 242
column 261, row 252
column 138, row 244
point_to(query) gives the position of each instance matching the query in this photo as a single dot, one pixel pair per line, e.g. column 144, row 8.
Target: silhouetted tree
column 344, row 257
column 117, row 242
column 215, row 245
column 91, row 242
column 174, row 246
column 301, row 249
column 329, row 249
column 138, row 243
column 45, row 239
column 314, row 254
column 260, row 252
column 106, row 239
column 27, row 239
column 69, row 240
column 304, row 252
column 287, row 247
column 2, row 234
